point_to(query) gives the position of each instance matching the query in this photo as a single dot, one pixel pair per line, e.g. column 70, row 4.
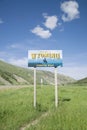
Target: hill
column 10, row 74
column 82, row 81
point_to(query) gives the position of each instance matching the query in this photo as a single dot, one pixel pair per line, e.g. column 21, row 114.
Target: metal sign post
column 34, row 86
column 56, row 88
column 41, row 82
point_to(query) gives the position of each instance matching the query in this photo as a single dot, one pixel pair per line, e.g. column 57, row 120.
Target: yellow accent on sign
column 45, row 55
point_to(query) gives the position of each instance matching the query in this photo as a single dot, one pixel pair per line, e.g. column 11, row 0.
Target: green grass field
column 16, row 108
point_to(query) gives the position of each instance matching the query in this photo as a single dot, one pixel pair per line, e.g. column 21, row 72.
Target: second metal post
column 56, row 88
column 35, row 87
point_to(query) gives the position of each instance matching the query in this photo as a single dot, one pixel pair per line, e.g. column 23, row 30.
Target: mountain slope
column 82, row 81
column 10, row 74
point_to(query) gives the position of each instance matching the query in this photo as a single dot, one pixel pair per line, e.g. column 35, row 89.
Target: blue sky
column 45, row 24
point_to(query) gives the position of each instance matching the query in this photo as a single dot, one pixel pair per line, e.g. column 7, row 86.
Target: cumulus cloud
column 51, row 21
column 70, row 9
column 19, row 62
column 39, row 31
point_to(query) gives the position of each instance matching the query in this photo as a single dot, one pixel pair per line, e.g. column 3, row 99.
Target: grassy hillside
column 81, row 82
column 10, row 74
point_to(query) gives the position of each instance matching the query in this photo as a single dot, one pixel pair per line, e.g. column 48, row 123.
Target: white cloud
column 23, row 62
column 39, row 31
column 19, row 46
column 51, row 21
column 77, row 72
column 14, row 46
column 1, row 21
column 70, row 9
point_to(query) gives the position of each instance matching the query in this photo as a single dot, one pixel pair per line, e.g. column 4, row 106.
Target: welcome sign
column 44, row 58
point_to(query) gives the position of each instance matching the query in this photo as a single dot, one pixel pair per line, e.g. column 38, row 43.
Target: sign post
column 45, row 58
column 41, row 82
column 56, row 88
column 34, row 86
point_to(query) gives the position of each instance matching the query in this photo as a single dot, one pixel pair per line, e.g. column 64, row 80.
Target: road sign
column 44, row 58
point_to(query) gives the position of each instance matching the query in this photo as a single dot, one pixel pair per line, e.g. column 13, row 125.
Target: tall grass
column 16, row 108
column 71, row 113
